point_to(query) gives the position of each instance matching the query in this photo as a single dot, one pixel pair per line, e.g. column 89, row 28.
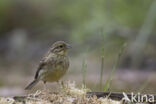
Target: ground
column 68, row 94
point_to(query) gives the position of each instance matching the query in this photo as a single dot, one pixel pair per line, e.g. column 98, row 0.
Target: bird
column 53, row 65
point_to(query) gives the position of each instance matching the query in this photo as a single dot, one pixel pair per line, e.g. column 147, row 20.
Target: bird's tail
column 32, row 84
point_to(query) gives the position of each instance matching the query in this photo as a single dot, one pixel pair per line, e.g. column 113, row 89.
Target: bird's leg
column 61, row 83
column 57, row 82
column 45, row 86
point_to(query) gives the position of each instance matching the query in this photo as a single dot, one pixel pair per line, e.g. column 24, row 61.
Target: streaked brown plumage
column 53, row 65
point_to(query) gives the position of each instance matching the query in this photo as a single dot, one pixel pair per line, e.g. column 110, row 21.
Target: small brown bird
column 53, row 66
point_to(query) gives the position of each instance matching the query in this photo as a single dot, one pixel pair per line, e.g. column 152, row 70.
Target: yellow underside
column 54, row 76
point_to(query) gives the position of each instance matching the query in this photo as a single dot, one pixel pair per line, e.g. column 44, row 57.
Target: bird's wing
column 43, row 62
column 41, row 65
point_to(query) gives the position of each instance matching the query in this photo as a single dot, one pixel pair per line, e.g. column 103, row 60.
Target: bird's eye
column 61, row 46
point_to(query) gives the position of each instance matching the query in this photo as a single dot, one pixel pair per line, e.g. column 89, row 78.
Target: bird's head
column 60, row 48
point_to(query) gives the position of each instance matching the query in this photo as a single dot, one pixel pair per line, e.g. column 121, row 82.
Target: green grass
column 108, row 82
column 102, row 68
column 84, row 66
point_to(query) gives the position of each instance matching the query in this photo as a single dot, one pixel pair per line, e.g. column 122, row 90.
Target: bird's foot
column 61, row 84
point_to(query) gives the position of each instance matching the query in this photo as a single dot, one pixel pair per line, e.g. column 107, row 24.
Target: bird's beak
column 68, row 46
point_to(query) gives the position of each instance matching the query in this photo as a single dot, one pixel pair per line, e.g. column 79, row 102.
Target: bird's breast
column 56, row 70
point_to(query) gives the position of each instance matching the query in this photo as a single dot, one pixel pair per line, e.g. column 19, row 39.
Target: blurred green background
column 94, row 28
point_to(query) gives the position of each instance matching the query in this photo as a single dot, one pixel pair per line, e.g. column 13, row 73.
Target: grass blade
column 108, row 82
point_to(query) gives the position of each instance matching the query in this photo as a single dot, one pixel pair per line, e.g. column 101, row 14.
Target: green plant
column 108, row 82
column 84, row 66
column 102, row 68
